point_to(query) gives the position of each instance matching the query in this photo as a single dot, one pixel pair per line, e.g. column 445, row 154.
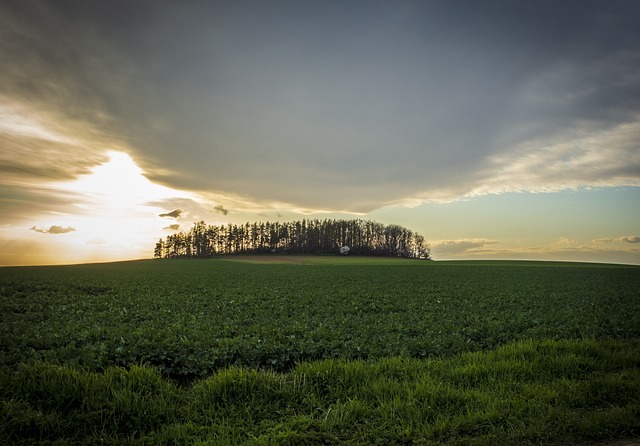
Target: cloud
column 38, row 154
column 53, row 230
column 624, row 239
column 219, row 209
column 32, row 159
column 446, row 247
column 176, row 213
column 297, row 110
column 562, row 249
column 584, row 155
column 173, row 227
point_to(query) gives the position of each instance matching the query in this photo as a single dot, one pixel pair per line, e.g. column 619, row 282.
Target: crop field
column 319, row 350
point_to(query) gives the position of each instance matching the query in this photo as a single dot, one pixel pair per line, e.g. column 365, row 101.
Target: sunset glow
column 112, row 216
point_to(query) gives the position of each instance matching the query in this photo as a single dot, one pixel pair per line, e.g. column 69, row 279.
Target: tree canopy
column 363, row 237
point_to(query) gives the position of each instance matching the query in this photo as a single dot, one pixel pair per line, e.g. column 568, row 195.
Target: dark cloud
column 219, row 209
column 173, row 214
column 338, row 105
column 53, row 230
column 173, row 227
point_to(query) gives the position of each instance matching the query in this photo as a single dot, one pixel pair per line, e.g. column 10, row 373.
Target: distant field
column 190, row 317
column 291, row 350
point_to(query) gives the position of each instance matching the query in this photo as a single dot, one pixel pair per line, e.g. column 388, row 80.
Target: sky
column 497, row 129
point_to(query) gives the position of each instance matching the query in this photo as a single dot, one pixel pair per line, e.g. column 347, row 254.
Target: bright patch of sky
column 109, row 217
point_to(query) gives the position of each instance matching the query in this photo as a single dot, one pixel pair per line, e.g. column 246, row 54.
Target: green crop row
column 188, row 318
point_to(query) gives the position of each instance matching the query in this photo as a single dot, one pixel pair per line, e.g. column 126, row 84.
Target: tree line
column 362, row 237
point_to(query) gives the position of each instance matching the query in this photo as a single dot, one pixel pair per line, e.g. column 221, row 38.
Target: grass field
column 320, row 350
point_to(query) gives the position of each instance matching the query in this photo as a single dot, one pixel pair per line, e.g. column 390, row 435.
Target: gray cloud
column 21, row 202
column 176, row 213
column 53, row 230
column 38, row 159
column 173, row 227
column 219, row 209
column 335, row 105
column 630, row 239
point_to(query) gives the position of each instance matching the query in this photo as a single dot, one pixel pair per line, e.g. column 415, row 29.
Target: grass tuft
column 542, row 392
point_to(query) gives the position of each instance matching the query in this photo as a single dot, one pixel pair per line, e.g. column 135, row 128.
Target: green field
column 320, row 350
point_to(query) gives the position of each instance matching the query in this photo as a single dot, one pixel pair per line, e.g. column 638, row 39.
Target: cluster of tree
column 298, row 237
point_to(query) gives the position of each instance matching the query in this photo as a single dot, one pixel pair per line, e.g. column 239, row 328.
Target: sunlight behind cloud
column 118, row 183
column 112, row 215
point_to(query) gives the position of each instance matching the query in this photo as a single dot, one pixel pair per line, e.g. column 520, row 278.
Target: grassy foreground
column 542, row 392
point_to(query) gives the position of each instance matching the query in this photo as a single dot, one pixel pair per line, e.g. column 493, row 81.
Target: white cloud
column 574, row 158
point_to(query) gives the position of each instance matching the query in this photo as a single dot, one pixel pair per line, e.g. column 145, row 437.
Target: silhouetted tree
column 363, row 237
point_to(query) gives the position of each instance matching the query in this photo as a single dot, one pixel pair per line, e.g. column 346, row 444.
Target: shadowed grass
column 530, row 392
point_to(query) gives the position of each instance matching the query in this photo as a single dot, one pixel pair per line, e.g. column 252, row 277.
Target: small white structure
column 344, row 250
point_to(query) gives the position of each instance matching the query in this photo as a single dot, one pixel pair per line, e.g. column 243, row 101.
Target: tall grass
column 529, row 392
